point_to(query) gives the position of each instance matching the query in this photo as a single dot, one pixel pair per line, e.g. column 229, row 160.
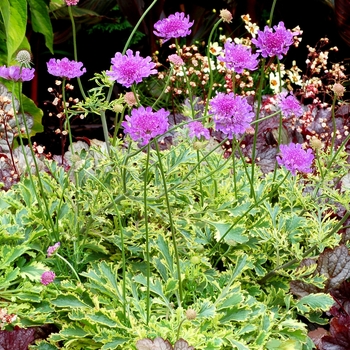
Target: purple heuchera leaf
column 339, row 338
column 17, row 339
column 335, row 264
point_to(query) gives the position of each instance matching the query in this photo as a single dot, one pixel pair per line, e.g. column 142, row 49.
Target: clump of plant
column 178, row 233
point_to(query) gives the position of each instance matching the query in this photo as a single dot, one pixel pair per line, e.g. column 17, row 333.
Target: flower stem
column 70, row 265
column 74, row 35
column 148, row 294
column 172, row 227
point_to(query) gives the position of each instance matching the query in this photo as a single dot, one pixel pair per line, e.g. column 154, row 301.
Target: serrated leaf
column 318, row 301
column 229, row 234
column 33, row 271
column 207, row 310
column 9, row 254
column 69, row 301
column 101, row 318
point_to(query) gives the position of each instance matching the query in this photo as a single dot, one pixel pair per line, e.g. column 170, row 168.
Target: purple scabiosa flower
column 65, row 68
column 196, row 129
column 47, row 277
column 17, row 73
column 294, row 158
column 174, row 26
column 274, row 42
column 176, row 60
column 128, row 69
column 239, row 57
column 232, row 114
column 71, row 2
column 144, row 124
column 52, row 249
column 289, row 105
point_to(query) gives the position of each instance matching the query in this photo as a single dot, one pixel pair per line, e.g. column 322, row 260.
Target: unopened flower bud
column 118, row 108
column 338, row 89
column 191, row 314
column 226, row 15
column 316, row 143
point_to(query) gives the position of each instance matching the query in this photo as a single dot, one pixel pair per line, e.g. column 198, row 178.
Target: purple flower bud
column 196, row 129
column 52, row 249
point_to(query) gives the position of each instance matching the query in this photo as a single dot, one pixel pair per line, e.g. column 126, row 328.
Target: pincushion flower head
column 144, row 124
column 289, row 105
column 71, row 2
column 232, row 114
column 128, row 69
column 239, row 57
column 47, row 277
column 65, row 68
column 174, row 26
column 274, row 42
column 294, row 158
column 17, row 73
column 196, row 129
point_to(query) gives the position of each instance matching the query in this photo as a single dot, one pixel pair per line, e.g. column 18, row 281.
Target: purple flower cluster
column 176, row 60
column 274, row 42
column 294, row 158
column 144, row 124
column 196, row 129
column 52, row 249
column 239, row 57
column 232, row 114
column 17, row 73
column 47, row 277
column 65, row 68
column 174, row 26
column 289, row 105
column 128, row 69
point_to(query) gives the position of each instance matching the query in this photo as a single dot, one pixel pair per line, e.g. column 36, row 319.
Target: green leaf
column 69, row 301
column 113, row 344
column 41, row 22
column 33, row 271
column 14, row 15
column 231, row 234
column 30, row 107
column 319, row 301
column 10, row 254
column 99, row 317
column 207, row 310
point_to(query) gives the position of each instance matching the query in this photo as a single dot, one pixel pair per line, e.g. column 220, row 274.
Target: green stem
column 209, row 66
column 172, row 227
column 70, row 265
column 41, row 187
column 74, row 34
column 333, row 123
column 148, row 294
column 259, row 92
